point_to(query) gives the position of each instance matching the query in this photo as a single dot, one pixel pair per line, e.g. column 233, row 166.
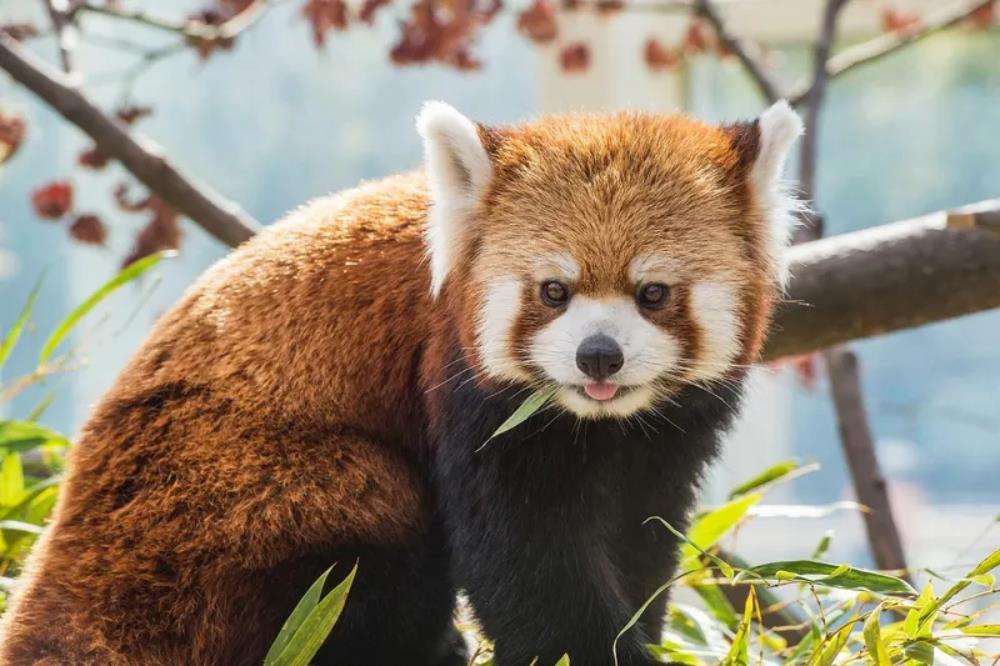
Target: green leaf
column 739, row 651
column 313, row 630
column 911, row 625
column 532, row 404
column 709, row 528
column 920, row 651
column 11, row 480
column 20, row 436
column 634, row 620
column 928, row 614
column 873, row 638
column 991, row 630
column 822, row 546
column 563, row 660
column 32, row 492
column 831, row 575
column 298, row 615
column 724, row 567
column 9, row 340
column 718, row 605
column 129, row 273
column 828, row 650
column 766, row 477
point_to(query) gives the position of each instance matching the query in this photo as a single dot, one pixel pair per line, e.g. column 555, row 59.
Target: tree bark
column 869, row 484
column 217, row 215
column 885, row 279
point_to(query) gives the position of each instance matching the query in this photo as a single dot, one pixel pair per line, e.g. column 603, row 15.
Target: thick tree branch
column 767, row 87
column 217, row 215
column 864, row 53
column 886, row 279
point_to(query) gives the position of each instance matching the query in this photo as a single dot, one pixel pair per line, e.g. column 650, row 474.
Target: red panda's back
column 320, row 318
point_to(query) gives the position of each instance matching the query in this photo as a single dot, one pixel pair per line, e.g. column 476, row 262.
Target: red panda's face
column 619, row 257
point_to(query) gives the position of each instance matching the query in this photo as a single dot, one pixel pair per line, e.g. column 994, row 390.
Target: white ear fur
column 779, row 127
column 458, row 171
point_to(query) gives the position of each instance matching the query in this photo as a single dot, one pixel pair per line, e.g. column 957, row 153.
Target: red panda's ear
column 762, row 147
column 458, row 172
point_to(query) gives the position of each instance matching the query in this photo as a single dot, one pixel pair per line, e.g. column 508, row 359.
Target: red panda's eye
column 554, row 293
column 654, row 295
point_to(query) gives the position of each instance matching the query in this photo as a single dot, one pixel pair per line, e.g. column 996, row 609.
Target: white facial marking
column 713, row 307
column 496, row 319
column 648, row 352
column 561, row 266
column 653, row 268
column 458, row 171
column 779, row 127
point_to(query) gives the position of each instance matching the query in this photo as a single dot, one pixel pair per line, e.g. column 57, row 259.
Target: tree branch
column 883, row 45
column 862, row 462
column 193, row 31
column 61, row 15
column 767, row 88
column 888, row 278
column 812, row 227
column 217, row 215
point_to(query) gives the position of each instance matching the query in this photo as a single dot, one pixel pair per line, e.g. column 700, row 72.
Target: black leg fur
column 546, row 526
column 399, row 610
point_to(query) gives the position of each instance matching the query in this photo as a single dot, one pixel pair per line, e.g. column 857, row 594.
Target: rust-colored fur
column 275, row 412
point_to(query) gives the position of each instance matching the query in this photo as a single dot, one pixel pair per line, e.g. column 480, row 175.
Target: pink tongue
column 601, row 390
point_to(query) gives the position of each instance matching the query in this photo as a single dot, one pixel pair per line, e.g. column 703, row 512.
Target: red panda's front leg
column 188, row 528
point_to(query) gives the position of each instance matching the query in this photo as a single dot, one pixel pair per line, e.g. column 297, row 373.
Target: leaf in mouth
column 532, row 404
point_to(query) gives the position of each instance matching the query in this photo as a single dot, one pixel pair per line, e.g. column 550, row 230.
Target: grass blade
column 129, row 273
column 7, row 346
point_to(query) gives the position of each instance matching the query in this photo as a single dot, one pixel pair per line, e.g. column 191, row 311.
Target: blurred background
column 277, row 118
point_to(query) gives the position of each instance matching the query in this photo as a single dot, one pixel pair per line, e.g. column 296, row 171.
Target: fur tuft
column 458, row 171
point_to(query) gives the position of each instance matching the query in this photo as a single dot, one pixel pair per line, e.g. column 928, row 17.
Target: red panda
column 324, row 394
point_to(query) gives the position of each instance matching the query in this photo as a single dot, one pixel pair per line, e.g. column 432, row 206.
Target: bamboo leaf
column 14, row 334
column 831, row 575
column 532, row 404
column 20, row 436
column 298, row 615
column 739, row 650
column 928, row 614
column 709, row 528
column 828, row 650
column 990, row 630
column 129, row 273
column 766, row 477
column 873, row 638
column 724, row 567
column 309, row 637
column 11, row 480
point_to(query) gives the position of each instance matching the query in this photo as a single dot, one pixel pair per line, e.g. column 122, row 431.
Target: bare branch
column 738, row 47
column 61, row 16
column 866, row 474
column 886, row 279
column 864, row 53
column 217, row 215
column 193, row 31
column 817, row 95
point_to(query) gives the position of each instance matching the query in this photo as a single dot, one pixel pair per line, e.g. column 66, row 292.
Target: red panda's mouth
column 602, row 391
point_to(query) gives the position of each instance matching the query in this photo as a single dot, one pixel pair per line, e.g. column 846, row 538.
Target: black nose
column 599, row 357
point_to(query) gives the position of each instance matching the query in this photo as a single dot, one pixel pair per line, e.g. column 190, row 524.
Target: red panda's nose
column 599, row 357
